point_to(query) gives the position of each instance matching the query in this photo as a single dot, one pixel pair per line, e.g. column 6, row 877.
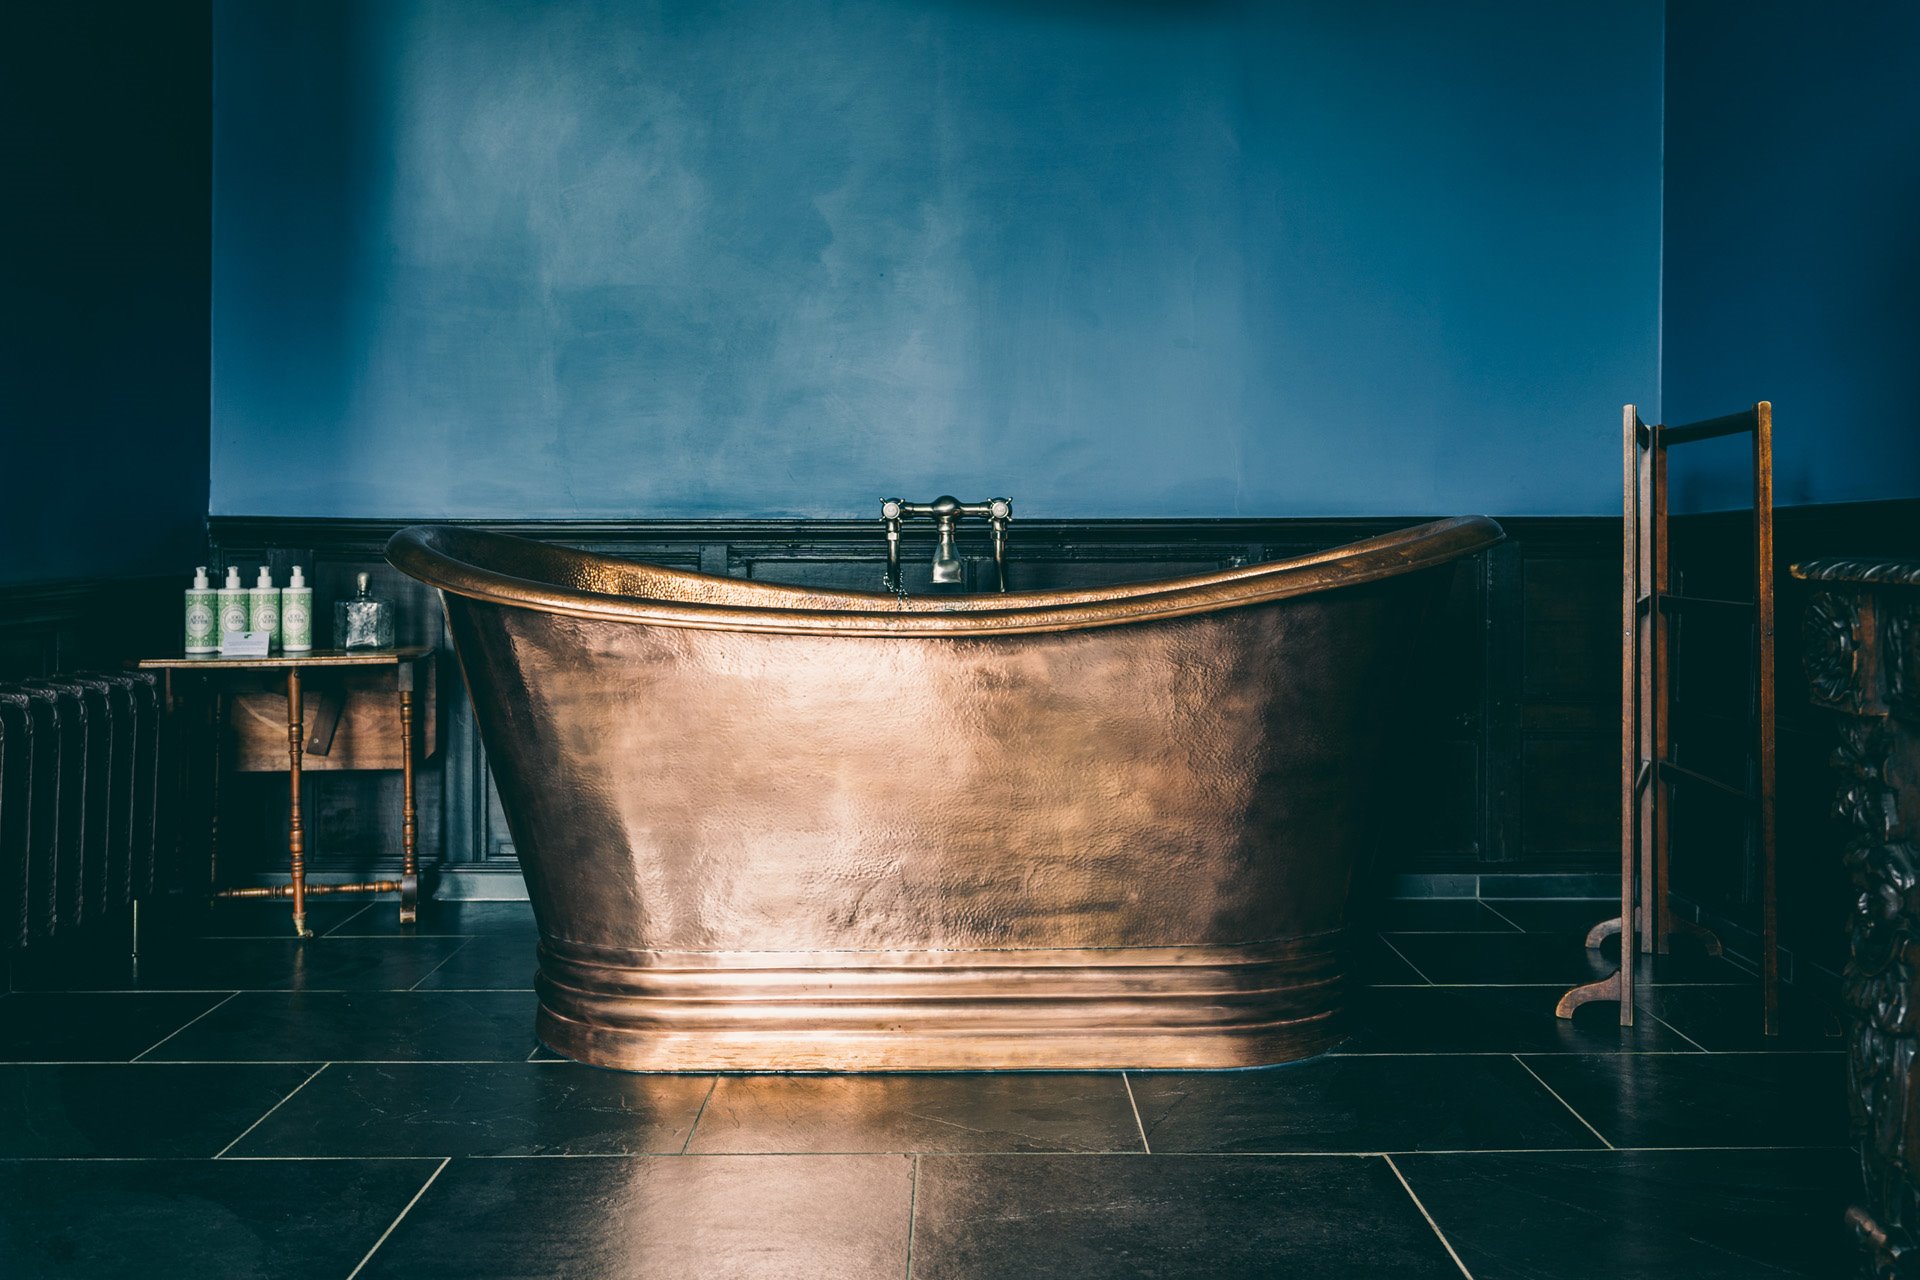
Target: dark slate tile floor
column 372, row 1103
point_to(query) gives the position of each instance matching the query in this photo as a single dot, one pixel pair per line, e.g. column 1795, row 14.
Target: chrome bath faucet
column 945, row 511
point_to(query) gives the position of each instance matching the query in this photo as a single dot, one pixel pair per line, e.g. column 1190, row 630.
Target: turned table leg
column 213, row 797
column 296, row 834
column 409, row 871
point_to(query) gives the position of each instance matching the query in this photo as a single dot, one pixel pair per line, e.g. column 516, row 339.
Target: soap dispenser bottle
column 203, row 617
column 296, row 614
column 233, row 604
column 263, row 608
column 364, row 622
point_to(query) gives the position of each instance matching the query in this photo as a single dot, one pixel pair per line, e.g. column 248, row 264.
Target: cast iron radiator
column 79, row 799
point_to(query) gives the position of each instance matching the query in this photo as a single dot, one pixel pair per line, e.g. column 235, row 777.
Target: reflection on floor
column 372, row 1103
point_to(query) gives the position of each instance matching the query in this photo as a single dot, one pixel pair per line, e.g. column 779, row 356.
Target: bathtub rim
column 450, row 558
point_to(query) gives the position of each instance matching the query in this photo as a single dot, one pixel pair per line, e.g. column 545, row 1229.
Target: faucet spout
column 947, row 567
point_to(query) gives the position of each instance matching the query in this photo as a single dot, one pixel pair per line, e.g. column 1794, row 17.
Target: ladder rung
column 1709, row 429
column 1671, row 601
column 1671, row 772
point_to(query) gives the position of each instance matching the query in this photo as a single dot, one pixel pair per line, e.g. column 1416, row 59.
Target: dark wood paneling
column 1569, row 783
column 1571, row 648
column 97, row 622
column 1502, row 674
column 1711, row 865
column 1552, row 700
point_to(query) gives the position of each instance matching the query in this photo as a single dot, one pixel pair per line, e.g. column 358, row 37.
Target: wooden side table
column 412, row 668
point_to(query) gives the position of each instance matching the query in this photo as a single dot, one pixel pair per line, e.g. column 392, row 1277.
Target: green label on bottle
column 201, row 617
column 296, row 620
column 263, row 613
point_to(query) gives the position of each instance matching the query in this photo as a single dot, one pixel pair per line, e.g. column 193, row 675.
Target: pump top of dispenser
column 265, row 582
column 233, row 578
column 298, row 581
column 200, row 582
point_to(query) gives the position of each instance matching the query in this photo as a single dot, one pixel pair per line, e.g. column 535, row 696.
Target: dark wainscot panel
column 1714, row 874
column 1514, row 681
column 91, row 622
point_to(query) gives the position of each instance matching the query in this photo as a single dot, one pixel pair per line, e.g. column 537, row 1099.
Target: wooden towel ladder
column 1648, row 774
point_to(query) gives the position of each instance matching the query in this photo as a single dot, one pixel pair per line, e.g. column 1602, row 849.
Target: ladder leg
column 1656, row 824
column 1763, row 729
column 1618, row 986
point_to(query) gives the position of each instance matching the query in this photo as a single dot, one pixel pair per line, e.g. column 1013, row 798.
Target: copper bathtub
column 767, row 828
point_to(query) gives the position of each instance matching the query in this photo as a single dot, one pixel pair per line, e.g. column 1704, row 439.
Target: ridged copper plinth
column 1169, row 1007
column 774, row 829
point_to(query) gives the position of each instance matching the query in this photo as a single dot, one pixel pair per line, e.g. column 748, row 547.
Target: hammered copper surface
column 768, row 828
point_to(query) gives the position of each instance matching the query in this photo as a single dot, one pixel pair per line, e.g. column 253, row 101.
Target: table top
column 284, row 661
column 1868, row 572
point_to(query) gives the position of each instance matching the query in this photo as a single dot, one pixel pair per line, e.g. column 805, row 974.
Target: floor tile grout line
column 697, row 1116
column 1677, row 1031
column 1403, row 958
column 1076, row 1155
column 1501, row 914
column 303, row 990
column 338, row 1060
column 1563, row 1102
column 1277, row 1153
column 438, row 1170
column 363, row 991
column 230, row 1160
column 1598, row 1052
column 270, row 1110
column 415, row 935
column 137, row 991
column 349, row 920
column 1438, row 1233
column 1453, row 933
column 1561, row 985
column 1126, row 1078
column 231, row 995
column 343, row 1060
column 289, row 942
column 443, row 963
column 913, row 1211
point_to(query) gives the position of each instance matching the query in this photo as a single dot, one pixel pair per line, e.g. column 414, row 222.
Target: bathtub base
column 1186, row 1008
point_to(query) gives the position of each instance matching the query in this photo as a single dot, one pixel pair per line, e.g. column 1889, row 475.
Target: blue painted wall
column 103, row 333
column 1793, row 243
column 1117, row 259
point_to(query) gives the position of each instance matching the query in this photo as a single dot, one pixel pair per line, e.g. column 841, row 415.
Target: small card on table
column 245, row 644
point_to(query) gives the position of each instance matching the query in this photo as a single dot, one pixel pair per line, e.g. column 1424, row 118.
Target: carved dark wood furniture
column 1862, row 639
column 1648, row 772
column 347, row 729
